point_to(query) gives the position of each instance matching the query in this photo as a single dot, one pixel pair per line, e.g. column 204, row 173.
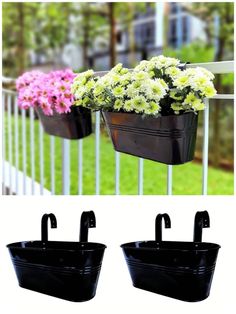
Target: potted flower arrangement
column 50, row 95
column 151, row 112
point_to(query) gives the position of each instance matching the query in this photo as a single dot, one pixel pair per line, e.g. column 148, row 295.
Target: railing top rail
column 219, row 67
column 223, row 96
column 9, row 91
column 8, row 80
column 215, row 67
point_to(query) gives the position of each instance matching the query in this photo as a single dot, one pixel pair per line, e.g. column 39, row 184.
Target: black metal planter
column 180, row 270
column 67, row 270
column 76, row 124
column 168, row 139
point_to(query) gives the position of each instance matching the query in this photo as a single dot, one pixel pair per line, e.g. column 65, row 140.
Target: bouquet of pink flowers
column 51, row 92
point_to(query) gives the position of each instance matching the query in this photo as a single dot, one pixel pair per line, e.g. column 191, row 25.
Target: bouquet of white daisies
column 156, row 87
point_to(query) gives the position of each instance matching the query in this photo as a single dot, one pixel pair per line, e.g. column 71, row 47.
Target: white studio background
column 119, row 220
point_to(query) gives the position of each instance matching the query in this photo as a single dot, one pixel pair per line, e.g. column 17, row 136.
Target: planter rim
column 138, row 114
column 55, row 113
column 97, row 246
column 211, row 246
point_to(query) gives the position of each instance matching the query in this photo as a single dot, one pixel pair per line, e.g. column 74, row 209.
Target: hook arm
column 44, row 225
column 88, row 220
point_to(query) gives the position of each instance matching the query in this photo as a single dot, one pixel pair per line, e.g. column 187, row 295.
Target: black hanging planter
column 180, row 270
column 74, row 125
column 167, row 139
column 67, row 270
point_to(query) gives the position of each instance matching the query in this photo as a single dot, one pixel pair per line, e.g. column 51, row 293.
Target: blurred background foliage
column 46, row 36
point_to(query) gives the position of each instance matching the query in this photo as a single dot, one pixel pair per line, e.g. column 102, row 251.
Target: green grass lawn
column 187, row 179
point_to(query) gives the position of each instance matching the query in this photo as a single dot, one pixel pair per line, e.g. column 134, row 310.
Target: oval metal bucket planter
column 67, row 270
column 180, row 270
column 74, row 125
column 168, row 139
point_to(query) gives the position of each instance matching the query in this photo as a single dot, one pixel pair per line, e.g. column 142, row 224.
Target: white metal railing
column 18, row 182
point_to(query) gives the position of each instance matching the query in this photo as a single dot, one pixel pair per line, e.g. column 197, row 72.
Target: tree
column 45, row 28
column 112, row 22
column 90, row 25
column 225, row 11
column 124, row 14
column 53, row 20
column 32, row 25
column 17, row 40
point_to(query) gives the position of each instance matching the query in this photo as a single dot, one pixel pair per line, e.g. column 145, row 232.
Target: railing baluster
column 97, row 153
column 24, row 160
column 16, row 138
column 52, row 163
column 117, row 177
column 32, row 157
column 140, row 176
column 169, row 179
column 9, row 99
column 65, row 167
column 205, row 147
column 41, row 158
column 3, row 143
column 80, row 167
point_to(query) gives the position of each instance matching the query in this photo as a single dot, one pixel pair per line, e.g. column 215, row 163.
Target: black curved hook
column 44, row 225
column 182, row 65
column 158, row 226
column 201, row 220
column 87, row 220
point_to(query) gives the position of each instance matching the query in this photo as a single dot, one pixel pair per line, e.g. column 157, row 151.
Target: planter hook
column 158, row 226
column 44, row 225
column 88, row 220
column 202, row 220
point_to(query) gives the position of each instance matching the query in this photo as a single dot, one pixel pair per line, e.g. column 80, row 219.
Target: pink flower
column 51, row 91
column 26, row 79
column 25, row 105
column 25, row 99
column 45, row 105
column 62, row 105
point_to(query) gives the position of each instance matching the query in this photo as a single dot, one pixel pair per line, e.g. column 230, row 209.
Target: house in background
column 165, row 24
column 183, row 27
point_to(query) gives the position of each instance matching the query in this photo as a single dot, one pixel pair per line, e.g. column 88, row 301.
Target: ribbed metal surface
column 59, row 270
column 145, row 267
column 160, row 133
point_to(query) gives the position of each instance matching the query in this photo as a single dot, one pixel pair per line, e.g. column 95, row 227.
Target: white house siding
column 197, row 29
